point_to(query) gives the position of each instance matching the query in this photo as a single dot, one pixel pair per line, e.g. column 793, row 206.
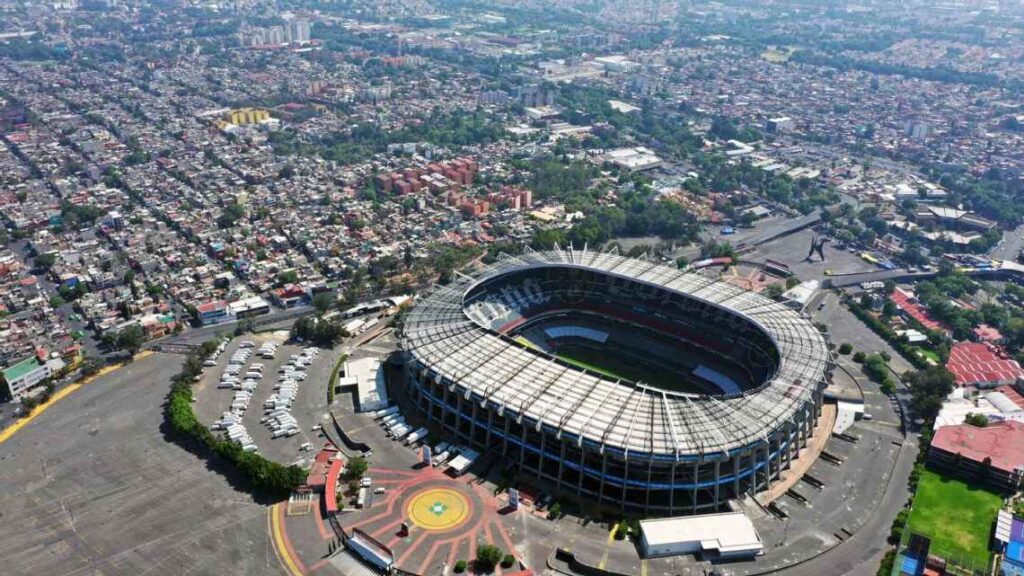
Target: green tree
column 91, row 366
column 487, row 557
column 976, row 420
column 130, row 339
column 46, row 261
column 323, row 302
column 845, row 348
column 356, row 467
column 928, row 390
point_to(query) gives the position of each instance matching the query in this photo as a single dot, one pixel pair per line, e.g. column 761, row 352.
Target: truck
column 440, row 458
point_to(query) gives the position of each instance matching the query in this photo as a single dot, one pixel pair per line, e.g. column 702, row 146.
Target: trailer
column 400, row 432
column 380, row 414
column 463, row 461
column 392, row 420
column 416, row 436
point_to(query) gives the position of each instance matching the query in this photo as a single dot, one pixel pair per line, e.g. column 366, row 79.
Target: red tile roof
column 1003, row 442
column 1014, row 396
column 975, row 363
column 317, row 476
column 331, row 487
column 906, row 303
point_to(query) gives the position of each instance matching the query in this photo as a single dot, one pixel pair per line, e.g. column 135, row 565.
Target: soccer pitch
column 956, row 516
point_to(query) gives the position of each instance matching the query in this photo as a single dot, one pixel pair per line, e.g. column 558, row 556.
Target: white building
column 726, row 535
column 633, row 159
column 368, row 378
column 28, row 373
column 798, row 296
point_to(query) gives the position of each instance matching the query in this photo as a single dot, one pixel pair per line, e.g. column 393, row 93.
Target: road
column 1010, row 246
column 862, row 552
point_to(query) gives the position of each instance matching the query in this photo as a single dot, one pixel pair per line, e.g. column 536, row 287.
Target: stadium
column 625, row 382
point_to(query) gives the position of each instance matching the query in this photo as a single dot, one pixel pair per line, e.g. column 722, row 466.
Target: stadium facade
column 752, row 374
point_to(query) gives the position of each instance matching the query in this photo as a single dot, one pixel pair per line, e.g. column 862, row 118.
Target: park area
column 956, row 516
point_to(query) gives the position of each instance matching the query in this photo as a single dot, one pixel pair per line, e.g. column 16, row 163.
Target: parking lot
column 94, row 486
column 308, row 406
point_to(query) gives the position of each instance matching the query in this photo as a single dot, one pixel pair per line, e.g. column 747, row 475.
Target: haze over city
column 583, row 287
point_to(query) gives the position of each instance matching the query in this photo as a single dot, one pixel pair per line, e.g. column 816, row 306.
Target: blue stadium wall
column 652, row 484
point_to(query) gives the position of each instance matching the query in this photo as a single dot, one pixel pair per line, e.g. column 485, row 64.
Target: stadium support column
column 767, row 464
column 561, row 464
column 490, row 425
column 458, row 414
column 797, row 446
column 504, row 444
column 718, row 483
column 650, row 477
column 582, row 471
column 778, row 451
column 737, row 462
column 696, row 488
column 672, row 490
column 540, row 459
column 522, row 443
column 805, row 424
column 790, row 440
column 474, row 414
column 604, row 472
column 625, row 478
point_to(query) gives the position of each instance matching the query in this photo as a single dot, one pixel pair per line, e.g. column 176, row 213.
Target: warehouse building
column 730, row 535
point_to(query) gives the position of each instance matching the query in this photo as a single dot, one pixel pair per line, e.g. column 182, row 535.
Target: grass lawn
column 586, row 359
column 929, row 355
column 957, row 517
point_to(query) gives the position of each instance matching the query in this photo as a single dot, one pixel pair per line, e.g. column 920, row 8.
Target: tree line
column 262, row 475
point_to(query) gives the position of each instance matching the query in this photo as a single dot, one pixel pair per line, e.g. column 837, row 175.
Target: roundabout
column 438, row 509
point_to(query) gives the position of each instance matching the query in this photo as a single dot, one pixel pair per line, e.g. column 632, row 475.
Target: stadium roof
column 595, row 409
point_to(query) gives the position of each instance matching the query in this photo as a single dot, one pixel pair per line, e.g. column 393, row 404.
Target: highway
column 1010, row 246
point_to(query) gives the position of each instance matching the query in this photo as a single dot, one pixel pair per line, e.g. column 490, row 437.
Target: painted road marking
column 438, row 509
column 608, row 546
column 279, row 546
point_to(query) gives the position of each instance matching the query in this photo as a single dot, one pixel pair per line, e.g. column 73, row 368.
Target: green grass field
column 587, row 359
column 615, row 366
column 957, row 517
